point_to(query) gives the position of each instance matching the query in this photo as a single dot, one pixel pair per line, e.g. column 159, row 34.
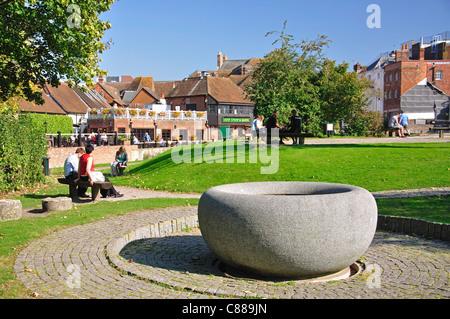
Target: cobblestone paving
column 73, row 263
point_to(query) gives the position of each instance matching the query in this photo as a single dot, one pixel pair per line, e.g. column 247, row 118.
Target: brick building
column 417, row 81
column 224, row 102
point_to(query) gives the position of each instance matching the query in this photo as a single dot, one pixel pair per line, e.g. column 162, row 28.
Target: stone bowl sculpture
column 290, row 230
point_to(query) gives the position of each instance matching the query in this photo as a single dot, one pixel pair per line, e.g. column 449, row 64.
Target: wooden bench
column 441, row 130
column 95, row 188
column 301, row 136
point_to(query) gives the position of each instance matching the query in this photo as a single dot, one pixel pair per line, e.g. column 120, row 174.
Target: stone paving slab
column 77, row 263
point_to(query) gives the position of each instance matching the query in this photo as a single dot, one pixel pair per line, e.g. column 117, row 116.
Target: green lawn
column 435, row 209
column 15, row 235
column 375, row 167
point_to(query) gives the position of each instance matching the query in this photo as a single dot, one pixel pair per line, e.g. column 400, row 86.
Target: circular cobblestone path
column 73, row 263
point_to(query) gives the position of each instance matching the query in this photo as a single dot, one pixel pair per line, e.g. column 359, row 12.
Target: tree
column 298, row 76
column 283, row 79
column 43, row 41
column 342, row 93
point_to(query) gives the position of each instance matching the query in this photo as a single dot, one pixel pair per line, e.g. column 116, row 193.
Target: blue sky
column 170, row 39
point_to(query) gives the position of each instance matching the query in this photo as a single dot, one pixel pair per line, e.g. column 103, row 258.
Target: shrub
column 22, row 146
column 55, row 123
column 365, row 123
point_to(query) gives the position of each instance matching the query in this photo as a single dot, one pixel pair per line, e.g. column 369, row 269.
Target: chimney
column 219, row 60
column 100, row 79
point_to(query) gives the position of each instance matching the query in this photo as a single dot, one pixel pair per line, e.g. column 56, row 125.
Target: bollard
column 46, row 164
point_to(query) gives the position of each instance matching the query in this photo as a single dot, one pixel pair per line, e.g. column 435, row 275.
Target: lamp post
column 45, row 126
column 131, row 132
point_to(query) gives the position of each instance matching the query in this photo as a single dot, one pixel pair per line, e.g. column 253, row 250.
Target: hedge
column 55, row 123
column 22, row 146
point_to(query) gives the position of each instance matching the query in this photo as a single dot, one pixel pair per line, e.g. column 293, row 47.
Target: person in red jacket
column 86, row 172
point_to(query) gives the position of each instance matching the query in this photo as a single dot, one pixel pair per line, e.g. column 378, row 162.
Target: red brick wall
column 102, row 154
column 199, row 100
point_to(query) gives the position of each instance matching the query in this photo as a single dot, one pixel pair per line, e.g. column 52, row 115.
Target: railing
column 144, row 114
column 109, row 139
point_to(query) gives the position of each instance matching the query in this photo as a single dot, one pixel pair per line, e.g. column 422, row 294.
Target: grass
column 435, row 209
column 15, row 235
column 375, row 167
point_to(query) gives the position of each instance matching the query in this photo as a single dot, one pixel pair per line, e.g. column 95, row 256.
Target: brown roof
column 140, row 82
column 93, row 99
column 112, row 92
column 119, row 86
column 67, row 99
column 49, row 106
column 223, row 90
column 164, row 87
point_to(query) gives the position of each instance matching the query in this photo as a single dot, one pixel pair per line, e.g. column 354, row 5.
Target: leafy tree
column 22, row 146
column 42, row 41
column 283, row 79
column 298, row 76
column 342, row 93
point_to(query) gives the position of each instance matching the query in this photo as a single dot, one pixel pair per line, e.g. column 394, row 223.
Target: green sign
column 235, row 120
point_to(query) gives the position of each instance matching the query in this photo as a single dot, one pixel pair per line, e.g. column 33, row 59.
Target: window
column 395, row 94
column 184, row 135
column 439, row 75
column 396, row 76
column 166, row 135
column 390, row 77
column 212, row 109
column 191, row 107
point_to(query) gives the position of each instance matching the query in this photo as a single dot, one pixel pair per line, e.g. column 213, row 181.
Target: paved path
column 78, row 263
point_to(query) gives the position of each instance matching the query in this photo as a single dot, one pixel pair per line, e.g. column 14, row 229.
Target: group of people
column 399, row 122
column 80, row 166
column 294, row 126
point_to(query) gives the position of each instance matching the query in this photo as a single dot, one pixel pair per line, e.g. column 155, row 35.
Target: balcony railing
column 144, row 114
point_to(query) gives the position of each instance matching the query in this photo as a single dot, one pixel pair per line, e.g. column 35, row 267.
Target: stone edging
column 414, row 226
column 154, row 230
column 410, row 226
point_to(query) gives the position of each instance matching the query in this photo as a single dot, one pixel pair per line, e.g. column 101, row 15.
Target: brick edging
column 414, row 226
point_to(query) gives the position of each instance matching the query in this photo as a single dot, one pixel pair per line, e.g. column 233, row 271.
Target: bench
column 300, row 136
column 441, row 126
column 95, row 188
column 441, row 130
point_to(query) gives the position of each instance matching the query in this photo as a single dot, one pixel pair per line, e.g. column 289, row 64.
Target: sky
column 169, row 40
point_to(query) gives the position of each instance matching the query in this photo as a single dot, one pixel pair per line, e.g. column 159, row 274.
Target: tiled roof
column 93, row 99
column 49, row 106
column 67, row 99
column 164, row 87
column 140, row 82
column 112, row 92
column 223, row 90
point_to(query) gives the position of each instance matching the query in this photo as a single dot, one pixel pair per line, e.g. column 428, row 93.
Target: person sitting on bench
column 86, row 170
column 120, row 162
column 71, row 170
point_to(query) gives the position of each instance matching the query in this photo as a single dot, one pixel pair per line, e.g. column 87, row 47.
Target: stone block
column 10, row 209
column 288, row 229
column 56, row 204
